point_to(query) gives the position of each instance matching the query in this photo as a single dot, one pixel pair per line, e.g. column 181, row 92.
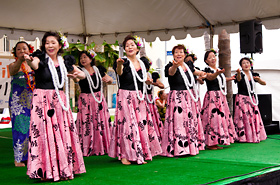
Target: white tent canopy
column 112, row 20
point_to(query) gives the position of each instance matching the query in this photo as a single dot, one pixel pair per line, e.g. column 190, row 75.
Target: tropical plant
column 109, row 55
column 75, row 49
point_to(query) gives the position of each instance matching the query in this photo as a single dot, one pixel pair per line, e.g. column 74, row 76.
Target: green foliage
column 105, row 58
column 109, row 55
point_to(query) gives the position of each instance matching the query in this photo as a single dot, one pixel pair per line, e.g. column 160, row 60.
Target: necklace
column 188, row 83
column 55, row 79
column 135, row 75
column 30, row 83
column 251, row 90
column 91, row 84
column 221, row 81
column 150, row 87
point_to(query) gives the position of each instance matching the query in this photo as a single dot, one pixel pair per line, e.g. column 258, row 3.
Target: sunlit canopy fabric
column 112, row 20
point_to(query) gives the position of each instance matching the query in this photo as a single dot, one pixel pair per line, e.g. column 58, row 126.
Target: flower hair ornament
column 194, row 57
column 138, row 41
column 214, row 51
column 92, row 53
column 252, row 62
column 63, row 41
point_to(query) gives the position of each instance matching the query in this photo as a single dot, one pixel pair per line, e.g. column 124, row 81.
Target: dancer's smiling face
column 85, row 60
column 211, row 60
column 131, row 48
column 179, row 55
column 22, row 49
column 52, row 46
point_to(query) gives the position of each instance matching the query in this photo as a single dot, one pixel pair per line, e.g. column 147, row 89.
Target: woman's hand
column 175, row 63
column 107, row 79
column 73, row 75
column 28, row 58
column 149, row 81
column 230, row 78
column 238, row 71
column 220, row 71
column 120, row 61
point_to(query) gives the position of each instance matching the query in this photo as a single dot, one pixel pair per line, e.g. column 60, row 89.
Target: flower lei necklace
column 150, row 87
column 188, row 83
column 30, row 83
column 55, row 79
column 91, row 84
column 135, row 75
column 222, row 82
column 249, row 87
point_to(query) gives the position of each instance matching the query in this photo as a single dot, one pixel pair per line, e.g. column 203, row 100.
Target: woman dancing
column 183, row 131
column 247, row 118
column 134, row 138
column 93, row 118
column 54, row 148
column 215, row 115
column 22, row 86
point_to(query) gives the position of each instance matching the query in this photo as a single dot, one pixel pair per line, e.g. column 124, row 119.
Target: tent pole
column 211, row 35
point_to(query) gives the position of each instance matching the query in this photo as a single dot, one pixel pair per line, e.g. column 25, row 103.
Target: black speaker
column 265, row 107
column 251, row 37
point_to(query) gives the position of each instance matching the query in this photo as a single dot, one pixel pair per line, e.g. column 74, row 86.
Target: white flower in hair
column 138, row 42
column 92, row 53
column 65, row 43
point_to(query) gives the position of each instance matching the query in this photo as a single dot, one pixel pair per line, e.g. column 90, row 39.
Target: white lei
column 55, row 79
column 187, row 83
column 249, row 88
column 222, row 82
column 135, row 75
column 150, row 87
column 91, row 84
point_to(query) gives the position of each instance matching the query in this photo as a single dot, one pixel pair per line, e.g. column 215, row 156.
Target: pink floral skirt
column 54, row 148
column 248, row 121
column 183, row 131
column 93, row 124
column 217, row 120
column 133, row 133
column 156, row 117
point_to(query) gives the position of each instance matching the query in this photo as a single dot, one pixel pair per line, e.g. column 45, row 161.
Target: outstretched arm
column 33, row 62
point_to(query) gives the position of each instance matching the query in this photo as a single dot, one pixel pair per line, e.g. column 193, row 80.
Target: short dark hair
column 89, row 56
column 127, row 38
column 244, row 58
column 54, row 34
column 15, row 48
column 160, row 93
column 206, row 55
column 191, row 55
column 178, row 47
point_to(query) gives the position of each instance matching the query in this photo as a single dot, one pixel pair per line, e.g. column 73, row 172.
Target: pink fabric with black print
column 217, row 120
column 248, row 121
column 133, row 134
column 156, row 117
column 183, row 131
column 54, row 148
column 93, row 124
